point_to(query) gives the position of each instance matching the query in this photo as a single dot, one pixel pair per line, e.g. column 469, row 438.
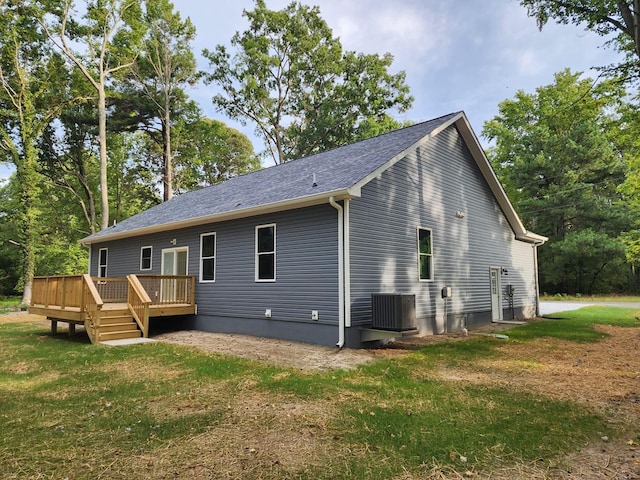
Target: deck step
column 119, row 335
column 115, row 319
column 118, row 327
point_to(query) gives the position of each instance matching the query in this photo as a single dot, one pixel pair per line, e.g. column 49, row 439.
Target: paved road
column 553, row 307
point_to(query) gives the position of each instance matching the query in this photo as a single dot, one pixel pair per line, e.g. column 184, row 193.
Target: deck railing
column 169, row 289
column 93, row 306
column 112, row 289
column 138, row 301
column 61, row 291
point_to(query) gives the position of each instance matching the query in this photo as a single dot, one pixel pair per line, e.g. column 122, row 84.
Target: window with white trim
column 146, row 254
column 266, row 253
column 208, row 257
column 425, row 254
column 102, row 262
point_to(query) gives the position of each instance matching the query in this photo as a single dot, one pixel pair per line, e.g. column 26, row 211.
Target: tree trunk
column 28, row 184
column 102, row 132
column 168, row 167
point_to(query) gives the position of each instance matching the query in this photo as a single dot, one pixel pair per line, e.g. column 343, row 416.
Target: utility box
column 393, row 311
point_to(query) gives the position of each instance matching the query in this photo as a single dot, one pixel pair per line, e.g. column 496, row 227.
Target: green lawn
column 73, row 410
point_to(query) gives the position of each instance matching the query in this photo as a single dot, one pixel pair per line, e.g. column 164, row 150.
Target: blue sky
column 458, row 55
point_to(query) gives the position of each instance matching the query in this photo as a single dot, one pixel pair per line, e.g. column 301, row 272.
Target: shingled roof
column 340, row 173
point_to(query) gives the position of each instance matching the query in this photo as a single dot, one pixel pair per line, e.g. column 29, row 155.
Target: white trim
column 431, row 263
column 150, row 259
column 257, row 254
column 106, row 263
column 215, row 247
column 175, row 250
column 89, row 262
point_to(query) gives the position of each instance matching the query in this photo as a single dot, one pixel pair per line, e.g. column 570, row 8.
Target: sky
column 458, row 55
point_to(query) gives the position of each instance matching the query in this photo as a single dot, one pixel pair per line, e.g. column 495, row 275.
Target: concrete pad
column 127, row 341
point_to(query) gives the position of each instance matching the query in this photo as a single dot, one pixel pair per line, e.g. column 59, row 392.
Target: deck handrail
column 138, row 301
column 169, row 289
column 92, row 304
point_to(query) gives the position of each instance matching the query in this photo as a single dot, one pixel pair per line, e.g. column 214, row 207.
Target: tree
column 164, row 68
column 560, row 165
column 605, row 17
column 210, row 152
column 104, row 45
column 291, row 78
column 30, row 97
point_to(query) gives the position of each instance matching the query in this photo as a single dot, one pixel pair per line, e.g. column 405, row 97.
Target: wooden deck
column 115, row 307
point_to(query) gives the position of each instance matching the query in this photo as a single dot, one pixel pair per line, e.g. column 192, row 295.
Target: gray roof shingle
column 337, row 169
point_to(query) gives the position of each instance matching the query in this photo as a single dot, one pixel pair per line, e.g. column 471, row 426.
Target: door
column 174, row 262
column 496, row 295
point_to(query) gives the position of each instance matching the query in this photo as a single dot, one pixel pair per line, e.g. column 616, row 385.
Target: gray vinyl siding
column 306, row 268
column 426, row 189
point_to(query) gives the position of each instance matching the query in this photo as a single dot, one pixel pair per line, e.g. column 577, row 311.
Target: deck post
column 72, row 329
column 54, row 326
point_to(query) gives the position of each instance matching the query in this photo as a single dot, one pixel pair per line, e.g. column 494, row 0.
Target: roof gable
column 340, row 172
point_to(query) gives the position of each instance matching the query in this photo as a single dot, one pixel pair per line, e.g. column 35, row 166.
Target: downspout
column 335, row 205
column 347, row 265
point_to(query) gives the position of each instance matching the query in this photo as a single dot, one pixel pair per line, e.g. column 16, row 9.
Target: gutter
column 341, row 322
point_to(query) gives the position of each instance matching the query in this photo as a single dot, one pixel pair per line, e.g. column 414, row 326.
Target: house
column 296, row 251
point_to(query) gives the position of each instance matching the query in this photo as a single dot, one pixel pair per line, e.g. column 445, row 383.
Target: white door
column 174, row 262
column 496, row 295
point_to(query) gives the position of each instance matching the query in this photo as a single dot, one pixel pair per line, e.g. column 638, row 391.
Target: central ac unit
column 393, row 311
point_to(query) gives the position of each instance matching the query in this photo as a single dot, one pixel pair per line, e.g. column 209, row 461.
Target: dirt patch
column 284, row 353
column 22, row 317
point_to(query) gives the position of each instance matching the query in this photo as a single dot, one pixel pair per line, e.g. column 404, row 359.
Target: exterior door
column 496, row 295
column 174, row 262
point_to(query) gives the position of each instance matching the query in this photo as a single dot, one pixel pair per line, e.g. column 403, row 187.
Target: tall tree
column 104, row 44
column 30, row 75
column 291, row 78
column 561, row 168
column 210, row 152
column 605, row 17
column 164, row 68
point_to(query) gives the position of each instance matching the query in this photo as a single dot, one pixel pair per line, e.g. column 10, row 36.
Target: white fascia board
column 531, row 237
column 290, row 204
column 404, row 153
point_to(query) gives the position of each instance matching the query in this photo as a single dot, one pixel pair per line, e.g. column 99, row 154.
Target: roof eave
column 290, row 204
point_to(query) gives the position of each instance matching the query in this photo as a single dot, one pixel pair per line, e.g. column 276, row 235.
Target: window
column 425, row 254
column 102, row 262
column 208, row 257
column 145, row 258
column 266, row 253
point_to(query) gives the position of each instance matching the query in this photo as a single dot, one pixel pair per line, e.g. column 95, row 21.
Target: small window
column 145, row 258
column 266, row 253
column 208, row 257
column 425, row 254
column 102, row 262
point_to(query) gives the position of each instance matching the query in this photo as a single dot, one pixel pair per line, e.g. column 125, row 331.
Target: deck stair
column 117, row 323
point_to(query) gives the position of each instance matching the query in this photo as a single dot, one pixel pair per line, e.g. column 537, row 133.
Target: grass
column 563, row 297
column 9, row 304
column 70, row 409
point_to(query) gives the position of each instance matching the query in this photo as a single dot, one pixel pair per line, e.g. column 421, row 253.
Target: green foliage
column 290, row 77
column 585, row 261
column 606, row 18
column 557, row 153
column 209, row 152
